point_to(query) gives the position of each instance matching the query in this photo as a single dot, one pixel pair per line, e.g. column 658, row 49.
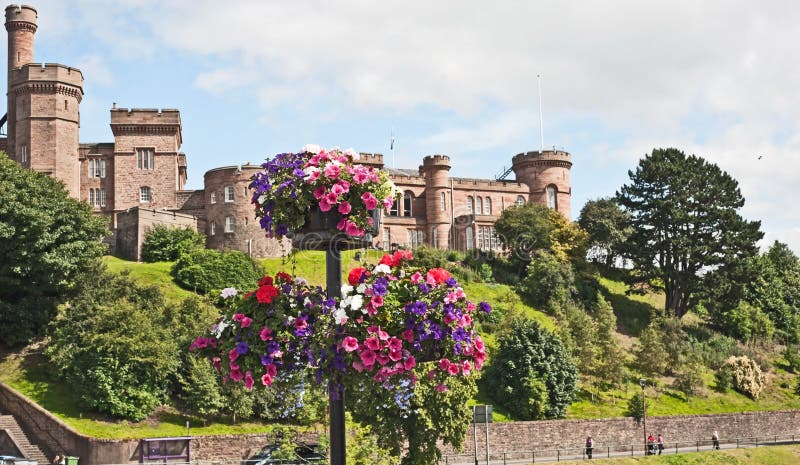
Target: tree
column 46, row 240
column 685, row 225
column 775, row 288
column 529, row 356
column 529, row 228
column 608, row 228
column 166, row 244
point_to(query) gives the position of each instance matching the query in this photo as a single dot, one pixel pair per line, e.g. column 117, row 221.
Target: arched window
column 408, row 199
column 520, row 200
column 478, row 206
column 470, row 239
column 551, row 197
column 487, row 206
column 144, row 194
column 469, row 205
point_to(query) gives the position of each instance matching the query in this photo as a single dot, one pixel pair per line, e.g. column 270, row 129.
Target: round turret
column 21, row 25
column 546, row 173
column 438, row 204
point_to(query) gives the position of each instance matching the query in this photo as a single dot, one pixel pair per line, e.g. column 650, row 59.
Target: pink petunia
column 344, row 208
column 320, row 192
column 465, row 367
column 383, row 335
column 408, row 335
column 453, row 369
column 266, row 379
column 416, row 278
column 377, row 301
column 324, row 205
column 271, row 369
column 372, row 343
column 248, row 380
column 367, row 358
column 233, row 354
column 350, row 344
column 369, row 200
column 395, row 355
column 444, row 364
column 395, row 344
column 409, row 363
column 265, row 333
column 441, row 388
column 352, row 229
column 216, row 363
column 332, row 171
column 237, row 374
column 246, row 321
column 358, row 366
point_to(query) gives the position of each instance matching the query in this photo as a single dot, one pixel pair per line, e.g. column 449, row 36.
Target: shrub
column 792, row 356
column 548, row 281
column 689, row 380
column 635, row 407
column 204, row 270
column 166, row 244
column 430, row 257
column 723, row 379
column 747, row 376
column 797, row 387
column 748, row 324
column 649, row 353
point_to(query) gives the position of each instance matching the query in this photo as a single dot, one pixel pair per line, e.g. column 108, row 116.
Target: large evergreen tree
column 46, row 239
column 685, row 225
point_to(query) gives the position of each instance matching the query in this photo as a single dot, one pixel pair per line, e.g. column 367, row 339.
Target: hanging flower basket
column 321, row 197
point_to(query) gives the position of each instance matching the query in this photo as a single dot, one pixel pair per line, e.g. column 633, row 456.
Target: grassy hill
column 27, row 371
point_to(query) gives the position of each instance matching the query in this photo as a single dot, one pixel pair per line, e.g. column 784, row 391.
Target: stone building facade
column 144, row 169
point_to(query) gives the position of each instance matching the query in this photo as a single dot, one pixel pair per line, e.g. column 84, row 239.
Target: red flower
column 401, row 255
column 438, row 275
column 284, row 277
column 387, row 260
column 266, row 280
column 265, row 294
column 354, row 277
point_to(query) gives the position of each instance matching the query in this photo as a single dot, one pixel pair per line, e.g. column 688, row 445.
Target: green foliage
column 430, row 257
column 689, row 380
column 205, row 270
column 199, row 387
column 548, row 282
column 526, row 229
column 685, row 222
column 528, row 353
column 166, row 244
column 635, row 406
column 116, row 345
column 649, row 357
column 747, row 376
column 610, row 366
column 748, row 324
column 608, row 228
column 433, row 416
column 775, row 288
column 792, row 356
column 47, row 239
column 363, row 447
column 723, row 379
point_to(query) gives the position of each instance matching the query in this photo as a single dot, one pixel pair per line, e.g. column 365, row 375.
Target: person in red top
column 651, row 444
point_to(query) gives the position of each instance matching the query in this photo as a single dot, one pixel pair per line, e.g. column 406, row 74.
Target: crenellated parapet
column 546, row 173
column 545, row 158
column 146, row 121
column 371, row 159
column 435, row 161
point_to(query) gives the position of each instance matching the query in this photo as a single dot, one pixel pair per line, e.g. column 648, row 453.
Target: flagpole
column 391, row 146
column 541, row 119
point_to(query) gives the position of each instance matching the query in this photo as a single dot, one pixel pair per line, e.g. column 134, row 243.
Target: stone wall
column 529, row 435
column 132, row 225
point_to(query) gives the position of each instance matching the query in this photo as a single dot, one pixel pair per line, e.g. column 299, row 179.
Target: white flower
column 228, row 292
column 220, row 328
column 309, row 170
column 346, row 289
column 361, row 288
column 263, row 199
column 340, row 316
column 356, row 301
column 307, row 302
column 383, row 268
column 312, row 148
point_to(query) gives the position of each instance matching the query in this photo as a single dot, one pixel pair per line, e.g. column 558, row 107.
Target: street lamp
column 643, row 383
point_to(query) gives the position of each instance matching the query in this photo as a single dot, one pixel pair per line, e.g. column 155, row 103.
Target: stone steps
column 29, row 450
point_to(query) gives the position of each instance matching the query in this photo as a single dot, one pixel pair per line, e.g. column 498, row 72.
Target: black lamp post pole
column 643, row 383
column 333, row 282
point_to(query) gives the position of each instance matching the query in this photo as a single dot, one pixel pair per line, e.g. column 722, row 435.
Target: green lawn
column 632, row 311
column 153, row 274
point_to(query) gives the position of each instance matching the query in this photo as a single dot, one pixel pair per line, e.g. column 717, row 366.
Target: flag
column 391, row 143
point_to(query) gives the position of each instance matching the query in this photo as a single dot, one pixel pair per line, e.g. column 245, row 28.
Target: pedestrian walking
column 715, row 440
column 651, row 444
column 660, row 441
column 589, row 447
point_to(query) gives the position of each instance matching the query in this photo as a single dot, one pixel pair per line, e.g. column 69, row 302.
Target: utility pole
column 643, row 383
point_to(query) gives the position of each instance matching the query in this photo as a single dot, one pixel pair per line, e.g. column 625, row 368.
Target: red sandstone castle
column 138, row 180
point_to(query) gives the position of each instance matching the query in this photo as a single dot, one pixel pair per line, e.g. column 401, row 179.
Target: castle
column 138, row 180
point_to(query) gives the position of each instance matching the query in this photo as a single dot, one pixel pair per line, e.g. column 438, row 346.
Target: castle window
column 97, row 168
column 213, row 228
column 144, row 194
column 416, row 238
column 395, row 211
column 145, row 159
column 551, row 197
column 470, row 239
column 246, row 191
column 24, row 153
column 213, row 197
column 444, row 201
column 229, row 224
column 408, row 199
column 91, row 197
column 65, row 104
column 520, row 200
column 469, row 205
column 478, row 206
column 102, row 197
column 435, row 237
column 228, row 194
column 487, row 206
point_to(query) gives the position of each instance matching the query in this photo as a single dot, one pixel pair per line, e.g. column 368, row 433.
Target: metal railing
column 607, row 450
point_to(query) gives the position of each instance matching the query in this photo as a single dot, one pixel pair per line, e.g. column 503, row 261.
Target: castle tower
column 43, row 105
column 547, row 175
column 438, row 203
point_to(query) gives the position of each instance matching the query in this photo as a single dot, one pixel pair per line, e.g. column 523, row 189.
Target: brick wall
column 132, row 225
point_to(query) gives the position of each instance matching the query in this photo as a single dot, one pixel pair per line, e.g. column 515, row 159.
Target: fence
column 557, row 454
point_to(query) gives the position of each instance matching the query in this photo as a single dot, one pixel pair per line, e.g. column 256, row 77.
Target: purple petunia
column 485, row 307
column 242, row 348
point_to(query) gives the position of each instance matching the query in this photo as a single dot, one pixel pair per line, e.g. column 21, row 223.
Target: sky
column 718, row 79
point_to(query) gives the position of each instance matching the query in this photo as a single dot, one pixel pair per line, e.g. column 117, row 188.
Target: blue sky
column 253, row 78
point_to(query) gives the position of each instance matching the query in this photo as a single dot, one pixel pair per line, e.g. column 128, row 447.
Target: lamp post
column 643, row 383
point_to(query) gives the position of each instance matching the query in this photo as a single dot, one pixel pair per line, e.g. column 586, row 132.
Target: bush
column 723, row 379
column 792, row 356
column 548, row 282
column 166, row 244
column 748, row 324
column 716, row 350
column 204, row 270
column 649, row 353
column 689, row 380
column 635, row 407
column 430, row 257
column 747, row 376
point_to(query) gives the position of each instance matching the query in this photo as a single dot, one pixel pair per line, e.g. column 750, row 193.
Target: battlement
column 46, row 72
column 145, row 116
column 439, row 161
column 371, row 159
column 556, row 156
column 21, row 16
